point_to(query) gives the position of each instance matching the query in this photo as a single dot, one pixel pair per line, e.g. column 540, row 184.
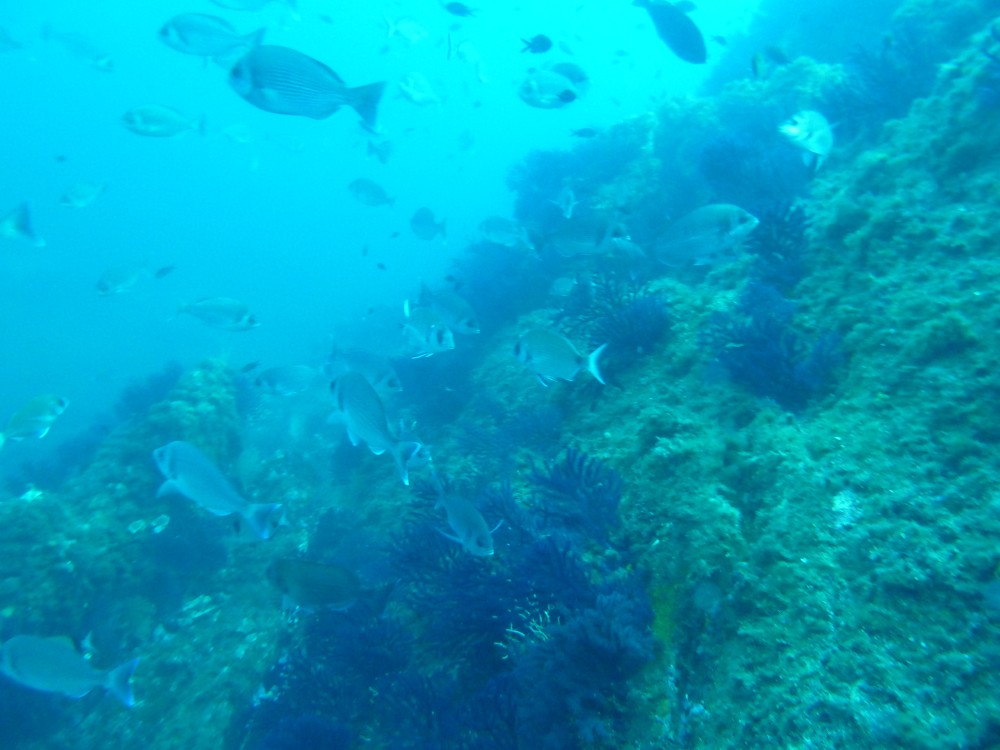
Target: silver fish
column 547, row 89
column 427, row 330
column 54, row 665
column 80, row 46
column 468, row 526
column 190, row 473
column 120, row 279
column 706, row 235
column 505, row 232
column 566, row 201
column 551, row 356
column 370, row 193
column 453, row 309
column 205, row 35
column 34, row 419
column 376, row 369
column 810, row 131
column 405, row 28
column 82, row 194
column 221, row 312
column 157, row 121
column 285, row 81
column 16, row 225
column 287, row 380
column 425, row 226
column 364, row 417
column 418, row 90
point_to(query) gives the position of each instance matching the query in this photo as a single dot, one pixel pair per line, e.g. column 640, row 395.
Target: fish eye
column 567, row 96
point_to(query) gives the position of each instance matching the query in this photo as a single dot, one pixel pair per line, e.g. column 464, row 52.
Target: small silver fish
column 205, row 35
column 370, row 193
column 120, row 279
column 566, row 201
column 54, row 665
column 505, row 232
column 427, row 331
column 34, row 419
column 156, row 121
column 364, row 416
column 552, row 356
column 221, row 312
column 810, row 131
column 80, row 46
column 453, row 309
column 468, row 526
column 706, row 235
column 287, row 82
column 418, row 90
column 405, row 28
column 16, row 225
column 547, row 89
column 425, row 226
column 287, row 380
column 82, row 194
column 190, row 473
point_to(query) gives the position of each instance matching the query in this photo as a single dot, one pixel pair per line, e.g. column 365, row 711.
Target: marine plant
column 779, row 245
column 758, row 348
column 988, row 88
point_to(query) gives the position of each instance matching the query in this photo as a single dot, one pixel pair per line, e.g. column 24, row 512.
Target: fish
column 584, row 132
column 460, row 9
column 425, row 226
column 164, row 271
column 381, row 150
column 453, row 309
column 370, row 193
column 467, row 524
column 7, row 42
column 16, row 225
column 190, row 473
column 375, row 368
column 54, row 665
column 676, row 29
column 566, row 201
column 552, row 356
column 364, row 416
column 34, row 419
column 221, row 312
column 285, row 81
column 538, row 44
column 418, row 90
column 120, row 279
column 82, row 194
column 504, row 232
column 204, row 35
column 157, row 121
column 810, row 131
column 704, row 236
column 81, row 46
column 314, row 585
column 405, row 28
column 287, row 380
column 427, row 331
column 547, row 89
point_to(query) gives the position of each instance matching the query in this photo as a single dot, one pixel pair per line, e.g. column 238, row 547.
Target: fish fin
column 376, row 451
column 3, row 439
column 422, row 355
column 543, row 380
column 365, row 99
column 407, row 309
column 592, row 363
column 118, row 682
column 402, row 452
column 263, row 518
column 453, row 538
column 169, row 488
column 200, row 125
column 352, row 437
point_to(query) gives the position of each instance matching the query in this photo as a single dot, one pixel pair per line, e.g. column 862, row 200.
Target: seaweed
column 779, row 243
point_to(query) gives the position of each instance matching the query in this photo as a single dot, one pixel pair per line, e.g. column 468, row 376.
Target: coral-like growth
column 759, row 349
column 779, row 244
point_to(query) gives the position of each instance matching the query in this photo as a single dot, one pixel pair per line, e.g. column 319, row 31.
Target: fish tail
column 263, row 518
column 256, row 38
column 592, row 363
column 365, row 99
column 443, row 228
column 3, row 439
column 402, row 452
column 118, row 682
column 200, row 125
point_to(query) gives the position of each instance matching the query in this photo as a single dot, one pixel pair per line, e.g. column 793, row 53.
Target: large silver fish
column 364, row 417
column 375, row 368
column 706, row 235
column 190, row 473
column 221, row 312
column 287, row 82
column 157, row 121
column 426, row 330
column 205, row 35
column 34, row 419
column 552, row 356
column 810, row 131
column 454, row 310
column 55, row 666
column 467, row 524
